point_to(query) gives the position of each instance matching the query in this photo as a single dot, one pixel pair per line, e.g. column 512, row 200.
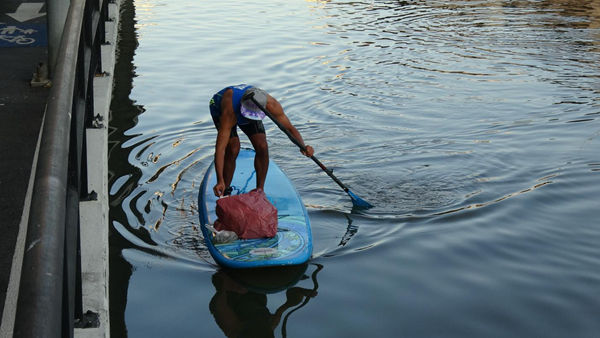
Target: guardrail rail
column 50, row 296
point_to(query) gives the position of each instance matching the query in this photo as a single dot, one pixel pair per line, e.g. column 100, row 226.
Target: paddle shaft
column 300, row 145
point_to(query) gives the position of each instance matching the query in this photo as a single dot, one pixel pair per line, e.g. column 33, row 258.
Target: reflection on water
column 472, row 126
column 239, row 305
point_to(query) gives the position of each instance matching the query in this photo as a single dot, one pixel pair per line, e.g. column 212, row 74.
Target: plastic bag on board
column 223, row 236
column 250, row 215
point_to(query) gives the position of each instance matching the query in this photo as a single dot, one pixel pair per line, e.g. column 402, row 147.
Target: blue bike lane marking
column 23, row 24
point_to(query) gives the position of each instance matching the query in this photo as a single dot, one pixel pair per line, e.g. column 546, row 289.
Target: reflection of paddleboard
column 268, row 280
column 293, row 243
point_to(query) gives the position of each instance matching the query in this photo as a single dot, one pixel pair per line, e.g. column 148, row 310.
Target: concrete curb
column 94, row 214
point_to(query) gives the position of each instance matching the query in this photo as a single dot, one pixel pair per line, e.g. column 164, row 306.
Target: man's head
column 248, row 109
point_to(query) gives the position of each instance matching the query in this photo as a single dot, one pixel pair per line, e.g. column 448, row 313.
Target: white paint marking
column 27, row 11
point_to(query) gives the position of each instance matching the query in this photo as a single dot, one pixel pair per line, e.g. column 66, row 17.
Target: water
column 472, row 126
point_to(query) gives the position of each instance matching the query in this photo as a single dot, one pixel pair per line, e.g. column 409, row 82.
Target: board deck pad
column 293, row 243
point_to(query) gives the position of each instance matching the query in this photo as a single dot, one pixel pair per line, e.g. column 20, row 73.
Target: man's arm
column 275, row 108
column 227, row 121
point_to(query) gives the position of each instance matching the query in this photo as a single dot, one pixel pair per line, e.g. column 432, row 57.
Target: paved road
column 23, row 44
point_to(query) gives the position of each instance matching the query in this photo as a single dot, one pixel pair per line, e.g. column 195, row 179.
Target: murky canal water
column 473, row 126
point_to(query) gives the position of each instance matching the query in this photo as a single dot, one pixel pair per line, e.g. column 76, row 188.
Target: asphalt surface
column 23, row 45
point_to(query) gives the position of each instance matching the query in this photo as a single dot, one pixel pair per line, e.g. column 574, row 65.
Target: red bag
column 249, row 215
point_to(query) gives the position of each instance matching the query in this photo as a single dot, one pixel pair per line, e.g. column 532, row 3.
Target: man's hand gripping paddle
column 357, row 202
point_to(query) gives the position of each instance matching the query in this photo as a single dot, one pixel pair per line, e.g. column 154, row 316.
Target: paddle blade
column 358, row 202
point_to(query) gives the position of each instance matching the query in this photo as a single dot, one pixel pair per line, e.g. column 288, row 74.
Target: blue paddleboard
column 293, row 243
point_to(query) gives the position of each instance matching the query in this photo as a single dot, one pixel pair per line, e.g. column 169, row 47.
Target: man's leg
column 231, row 154
column 261, row 159
column 255, row 130
column 233, row 146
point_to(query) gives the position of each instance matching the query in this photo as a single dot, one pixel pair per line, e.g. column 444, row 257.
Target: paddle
column 356, row 201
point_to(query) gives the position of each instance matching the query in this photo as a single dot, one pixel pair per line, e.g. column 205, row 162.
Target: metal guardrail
column 50, row 297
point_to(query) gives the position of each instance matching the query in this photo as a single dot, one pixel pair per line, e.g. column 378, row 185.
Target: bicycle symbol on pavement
column 16, row 35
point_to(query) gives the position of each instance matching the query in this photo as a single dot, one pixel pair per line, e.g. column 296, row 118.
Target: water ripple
column 472, row 126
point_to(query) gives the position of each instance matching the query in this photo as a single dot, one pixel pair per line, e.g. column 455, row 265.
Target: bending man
column 229, row 110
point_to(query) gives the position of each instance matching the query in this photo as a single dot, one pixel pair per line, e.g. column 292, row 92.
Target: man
column 229, row 109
